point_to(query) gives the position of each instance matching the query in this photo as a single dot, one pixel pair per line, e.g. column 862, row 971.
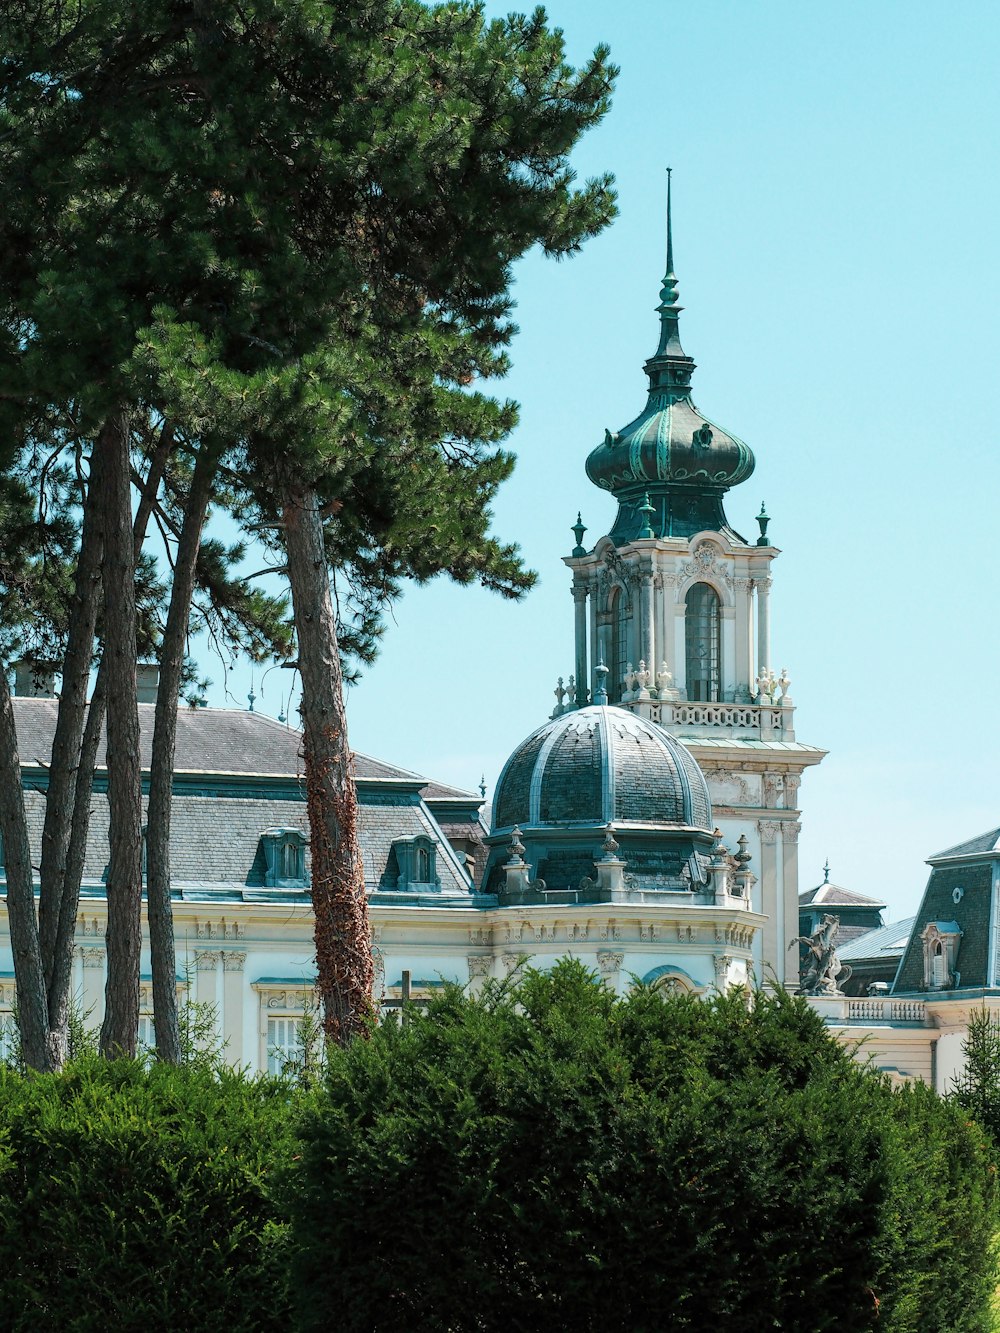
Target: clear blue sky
column 836, row 201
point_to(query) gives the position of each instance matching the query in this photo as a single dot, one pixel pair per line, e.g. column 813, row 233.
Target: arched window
column 619, row 645
column 702, row 637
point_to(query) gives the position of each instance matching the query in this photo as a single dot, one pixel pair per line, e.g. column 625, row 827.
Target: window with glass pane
column 702, row 635
column 289, row 858
column 8, row 1038
column 284, row 1044
column 423, row 866
column 147, row 1035
column 619, row 646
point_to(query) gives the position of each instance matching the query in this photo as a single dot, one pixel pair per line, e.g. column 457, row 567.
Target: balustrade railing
column 886, row 1011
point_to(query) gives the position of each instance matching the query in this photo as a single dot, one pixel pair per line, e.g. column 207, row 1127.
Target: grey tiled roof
column 209, row 740
column 832, row 895
column 885, row 942
column 986, row 842
column 218, row 820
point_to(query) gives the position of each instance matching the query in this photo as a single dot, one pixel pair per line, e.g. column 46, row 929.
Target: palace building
column 649, row 826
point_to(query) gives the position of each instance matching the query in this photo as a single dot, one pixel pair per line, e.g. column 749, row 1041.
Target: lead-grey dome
column 601, row 765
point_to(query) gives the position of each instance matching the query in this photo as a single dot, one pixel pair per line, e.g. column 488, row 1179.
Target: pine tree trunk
column 65, row 758
column 343, row 941
column 83, row 797
column 124, row 886
column 29, row 975
column 158, row 907
column 62, row 966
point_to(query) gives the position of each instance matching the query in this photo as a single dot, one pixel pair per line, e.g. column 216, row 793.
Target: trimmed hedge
column 138, row 1198
column 552, row 1157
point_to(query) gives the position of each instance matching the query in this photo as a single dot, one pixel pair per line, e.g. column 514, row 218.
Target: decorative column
column 728, row 676
column 480, row 968
column 206, row 963
column 722, row 963
column 648, row 645
column 609, row 964
column 595, row 643
column 232, row 1004
column 788, row 916
column 774, row 945
column 93, row 959
column 744, row 639
column 763, row 585
column 580, row 610
column 679, row 667
column 659, row 625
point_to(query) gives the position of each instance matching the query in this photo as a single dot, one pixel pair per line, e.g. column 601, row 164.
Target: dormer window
column 415, row 863
column 284, row 858
column 941, row 940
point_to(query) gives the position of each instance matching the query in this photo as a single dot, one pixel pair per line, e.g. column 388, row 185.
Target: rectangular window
column 8, row 1037
column 147, row 1033
column 284, row 1044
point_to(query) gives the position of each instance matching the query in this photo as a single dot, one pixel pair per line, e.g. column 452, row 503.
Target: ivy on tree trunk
column 345, row 970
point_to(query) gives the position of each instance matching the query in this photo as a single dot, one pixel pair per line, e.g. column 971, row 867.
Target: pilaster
column 232, row 1004
column 580, row 624
column 770, row 833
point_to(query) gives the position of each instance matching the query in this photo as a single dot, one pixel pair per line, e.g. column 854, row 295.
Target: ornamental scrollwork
column 609, row 963
column 706, row 561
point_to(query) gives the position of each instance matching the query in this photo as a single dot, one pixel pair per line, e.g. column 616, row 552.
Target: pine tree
column 290, row 230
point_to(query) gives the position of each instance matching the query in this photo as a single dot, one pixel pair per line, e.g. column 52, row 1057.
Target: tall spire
column 669, row 368
column 670, row 236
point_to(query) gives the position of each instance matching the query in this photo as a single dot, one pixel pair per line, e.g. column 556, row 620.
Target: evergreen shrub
column 549, row 1156
column 139, row 1198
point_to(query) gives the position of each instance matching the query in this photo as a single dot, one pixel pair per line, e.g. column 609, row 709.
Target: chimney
column 147, row 681
column 34, row 680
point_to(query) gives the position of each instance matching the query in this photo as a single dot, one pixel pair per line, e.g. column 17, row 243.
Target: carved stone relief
column 609, row 963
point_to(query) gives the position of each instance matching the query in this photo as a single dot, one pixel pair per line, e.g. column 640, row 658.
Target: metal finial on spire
column 670, row 235
column 482, row 786
column 826, row 872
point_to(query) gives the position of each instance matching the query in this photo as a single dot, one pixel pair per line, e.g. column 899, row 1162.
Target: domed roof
column 601, row 765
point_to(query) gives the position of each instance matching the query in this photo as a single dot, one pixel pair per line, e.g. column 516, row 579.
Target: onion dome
column 671, row 458
column 593, row 768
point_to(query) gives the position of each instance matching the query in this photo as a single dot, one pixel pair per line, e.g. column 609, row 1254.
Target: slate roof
column 885, row 942
column 985, row 842
column 217, row 740
column 209, row 740
column 833, row 895
column 240, row 774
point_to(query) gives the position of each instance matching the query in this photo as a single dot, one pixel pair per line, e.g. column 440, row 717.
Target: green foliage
column 551, row 1156
column 137, row 1198
column 977, row 1088
column 290, row 229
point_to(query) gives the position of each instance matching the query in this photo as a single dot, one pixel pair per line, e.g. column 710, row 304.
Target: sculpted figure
column 822, row 969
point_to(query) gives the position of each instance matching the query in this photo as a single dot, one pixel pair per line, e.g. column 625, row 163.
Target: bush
column 553, row 1157
column 135, row 1198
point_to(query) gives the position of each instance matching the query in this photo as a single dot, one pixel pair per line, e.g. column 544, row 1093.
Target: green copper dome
column 589, row 771
column 671, row 453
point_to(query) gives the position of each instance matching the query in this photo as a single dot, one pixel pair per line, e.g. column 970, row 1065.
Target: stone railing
column 869, row 1009
column 762, row 722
